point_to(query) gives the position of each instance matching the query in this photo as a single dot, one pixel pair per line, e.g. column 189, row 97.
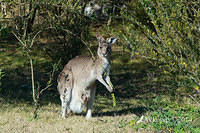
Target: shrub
column 166, row 33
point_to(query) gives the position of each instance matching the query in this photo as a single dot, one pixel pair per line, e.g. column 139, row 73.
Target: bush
column 167, row 34
column 61, row 26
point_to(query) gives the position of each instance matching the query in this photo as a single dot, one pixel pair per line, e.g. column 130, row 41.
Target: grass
column 18, row 118
column 141, row 90
column 170, row 116
column 162, row 115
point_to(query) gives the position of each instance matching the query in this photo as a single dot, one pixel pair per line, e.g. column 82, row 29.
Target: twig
column 194, row 99
column 49, row 85
column 19, row 39
column 35, row 37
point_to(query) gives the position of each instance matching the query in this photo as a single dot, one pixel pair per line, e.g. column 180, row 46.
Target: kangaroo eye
column 66, row 76
column 82, row 95
column 100, row 47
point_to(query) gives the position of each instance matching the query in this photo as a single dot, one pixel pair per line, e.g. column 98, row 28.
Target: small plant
column 122, row 123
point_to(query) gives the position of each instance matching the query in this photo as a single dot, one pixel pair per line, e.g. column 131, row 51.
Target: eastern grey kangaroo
column 76, row 82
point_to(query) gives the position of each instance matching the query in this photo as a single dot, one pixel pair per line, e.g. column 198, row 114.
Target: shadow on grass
column 139, row 111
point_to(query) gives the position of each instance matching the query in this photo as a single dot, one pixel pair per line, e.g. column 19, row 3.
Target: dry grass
column 17, row 119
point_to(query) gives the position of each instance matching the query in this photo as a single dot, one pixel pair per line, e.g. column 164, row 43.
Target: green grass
column 170, row 116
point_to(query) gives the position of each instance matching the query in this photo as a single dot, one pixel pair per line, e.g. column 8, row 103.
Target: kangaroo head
column 84, row 97
column 104, row 48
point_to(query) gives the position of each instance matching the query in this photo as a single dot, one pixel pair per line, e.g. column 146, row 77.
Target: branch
column 49, row 84
column 19, row 39
column 193, row 99
column 32, row 77
column 23, row 44
column 35, row 37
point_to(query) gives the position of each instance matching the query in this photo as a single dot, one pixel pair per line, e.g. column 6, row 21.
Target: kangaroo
column 85, row 71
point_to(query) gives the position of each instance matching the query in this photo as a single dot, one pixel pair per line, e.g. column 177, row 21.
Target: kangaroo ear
column 99, row 37
column 112, row 40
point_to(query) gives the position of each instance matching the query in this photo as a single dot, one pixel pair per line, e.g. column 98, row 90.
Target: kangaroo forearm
column 103, row 82
column 109, row 82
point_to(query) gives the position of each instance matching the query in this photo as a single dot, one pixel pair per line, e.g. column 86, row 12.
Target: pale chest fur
column 104, row 67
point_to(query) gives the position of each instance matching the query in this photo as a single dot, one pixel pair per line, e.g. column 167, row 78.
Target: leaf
column 196, row 87
column 114, row 99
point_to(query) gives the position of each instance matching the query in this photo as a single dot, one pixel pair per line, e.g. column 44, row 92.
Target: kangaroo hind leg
column 90, row 102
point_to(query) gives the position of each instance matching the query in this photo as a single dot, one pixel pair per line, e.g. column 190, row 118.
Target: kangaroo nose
column 108, row 49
